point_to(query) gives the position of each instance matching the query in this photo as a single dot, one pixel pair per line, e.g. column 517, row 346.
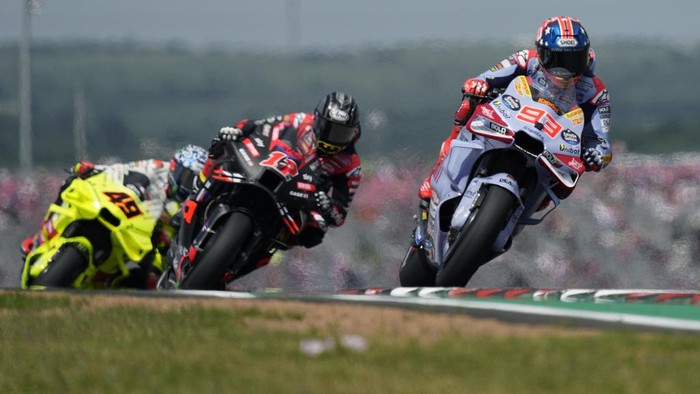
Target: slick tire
column 473, row 245
column 415, row 271
column 68, row 263
column 221, row 250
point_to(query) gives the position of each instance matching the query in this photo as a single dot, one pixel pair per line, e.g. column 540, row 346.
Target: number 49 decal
column 534, row 115
column 124, row 202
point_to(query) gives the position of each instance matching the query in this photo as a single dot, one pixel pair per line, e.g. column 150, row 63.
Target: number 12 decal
column 534, row 115
column 282, row 163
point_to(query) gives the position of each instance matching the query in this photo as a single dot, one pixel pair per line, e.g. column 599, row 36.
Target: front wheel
column 472, row 247
column 222, row 249
column 68, row 263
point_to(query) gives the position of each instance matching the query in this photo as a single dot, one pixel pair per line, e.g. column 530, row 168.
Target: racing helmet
column 336, row 123
column 562, row 48
column 185, row 164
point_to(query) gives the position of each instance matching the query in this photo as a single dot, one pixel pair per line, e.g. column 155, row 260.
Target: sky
column 280, row 24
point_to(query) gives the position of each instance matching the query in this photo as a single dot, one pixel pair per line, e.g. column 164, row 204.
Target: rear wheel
column 472, row 247
column 222, row 249
column 68, row 263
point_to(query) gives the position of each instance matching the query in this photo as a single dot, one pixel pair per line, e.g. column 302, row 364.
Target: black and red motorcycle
column 256, row 201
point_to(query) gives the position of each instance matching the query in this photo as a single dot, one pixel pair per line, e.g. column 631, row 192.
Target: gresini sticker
column 570, row 137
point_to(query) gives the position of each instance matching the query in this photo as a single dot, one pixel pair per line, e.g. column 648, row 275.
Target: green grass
column 64, row 344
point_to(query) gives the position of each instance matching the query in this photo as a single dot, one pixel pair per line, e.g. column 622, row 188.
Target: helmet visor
column 180, row 181
column 331, row 134
column 573, row 61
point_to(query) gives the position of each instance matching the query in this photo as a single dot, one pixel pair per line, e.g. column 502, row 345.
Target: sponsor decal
column 604, row 109
column 251, row 147
column 570, row 137
column 601, row 97
column 522, row 58
column 354, row 173
column 575, row 164
column 266, row 130
column 567, row 42
column 487, row 112
column 576, row 116
column 507, row 181
column 245, row 157
column 498, row 128
column 549, row 104
column 260, row 143
column 551, row 159
column 298, row 194
column 511, row 102
column 574, row 150
column 504, row 113
column 339, row 115
column 522, row 87
column 306, row 186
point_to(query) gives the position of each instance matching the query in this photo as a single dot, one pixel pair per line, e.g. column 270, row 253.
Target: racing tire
column 415, row 271
column 68, row 263
column 473, row 245
column 222, row 249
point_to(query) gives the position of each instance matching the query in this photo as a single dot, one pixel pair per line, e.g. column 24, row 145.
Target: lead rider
column 561, row 43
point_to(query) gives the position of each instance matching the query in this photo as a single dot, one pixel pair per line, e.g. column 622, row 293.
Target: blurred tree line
column 145, row 101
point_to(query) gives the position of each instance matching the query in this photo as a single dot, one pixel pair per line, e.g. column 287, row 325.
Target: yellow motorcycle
column 98, row 234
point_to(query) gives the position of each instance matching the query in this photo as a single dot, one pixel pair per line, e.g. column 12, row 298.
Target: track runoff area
column 666, row 310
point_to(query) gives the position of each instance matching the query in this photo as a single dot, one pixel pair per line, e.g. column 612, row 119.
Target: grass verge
column 63, row 342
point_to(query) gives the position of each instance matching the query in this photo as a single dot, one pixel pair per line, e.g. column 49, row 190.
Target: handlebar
column 490, row 95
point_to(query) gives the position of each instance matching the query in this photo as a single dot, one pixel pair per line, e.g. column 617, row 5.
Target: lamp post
column 29, row 8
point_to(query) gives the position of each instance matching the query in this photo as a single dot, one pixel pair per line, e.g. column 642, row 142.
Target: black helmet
column 336, row 123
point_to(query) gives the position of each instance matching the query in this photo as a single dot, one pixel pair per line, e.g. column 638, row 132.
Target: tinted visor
column 574, row 61
column 180, row 181
column 333, row 136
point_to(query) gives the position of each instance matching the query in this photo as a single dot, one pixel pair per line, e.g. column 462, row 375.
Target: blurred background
column 114, row 81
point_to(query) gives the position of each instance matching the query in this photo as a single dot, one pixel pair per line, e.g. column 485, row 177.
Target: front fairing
column 108, row 205
column 523, row 109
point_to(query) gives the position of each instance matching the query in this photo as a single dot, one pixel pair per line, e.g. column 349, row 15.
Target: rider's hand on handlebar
column 228, row 134
column 592, row 159
column 83, row 169
column 323, row 203
column 475, row 87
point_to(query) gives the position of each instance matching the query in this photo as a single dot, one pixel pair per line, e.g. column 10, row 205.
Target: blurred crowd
column 634, row 225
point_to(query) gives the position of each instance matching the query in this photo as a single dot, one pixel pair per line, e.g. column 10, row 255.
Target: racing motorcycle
column 259, row 202
column 98, row 234
column 515, row 159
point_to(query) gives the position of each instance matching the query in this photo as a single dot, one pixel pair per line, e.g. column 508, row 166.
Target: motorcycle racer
column 151, row 180
column 328, row 134
column 562, row 55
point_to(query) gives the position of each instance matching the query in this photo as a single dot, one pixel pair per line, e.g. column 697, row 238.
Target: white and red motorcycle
column 519, row 151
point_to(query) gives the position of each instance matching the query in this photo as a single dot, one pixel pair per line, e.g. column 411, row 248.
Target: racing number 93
column 534, row 115
column 124, row 202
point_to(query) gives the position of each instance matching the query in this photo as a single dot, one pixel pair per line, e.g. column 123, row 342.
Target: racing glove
column 84, row 169
column 323, row 204
column 471, row 87
column 474, row 86
column 593, row 159
column 228, row 134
